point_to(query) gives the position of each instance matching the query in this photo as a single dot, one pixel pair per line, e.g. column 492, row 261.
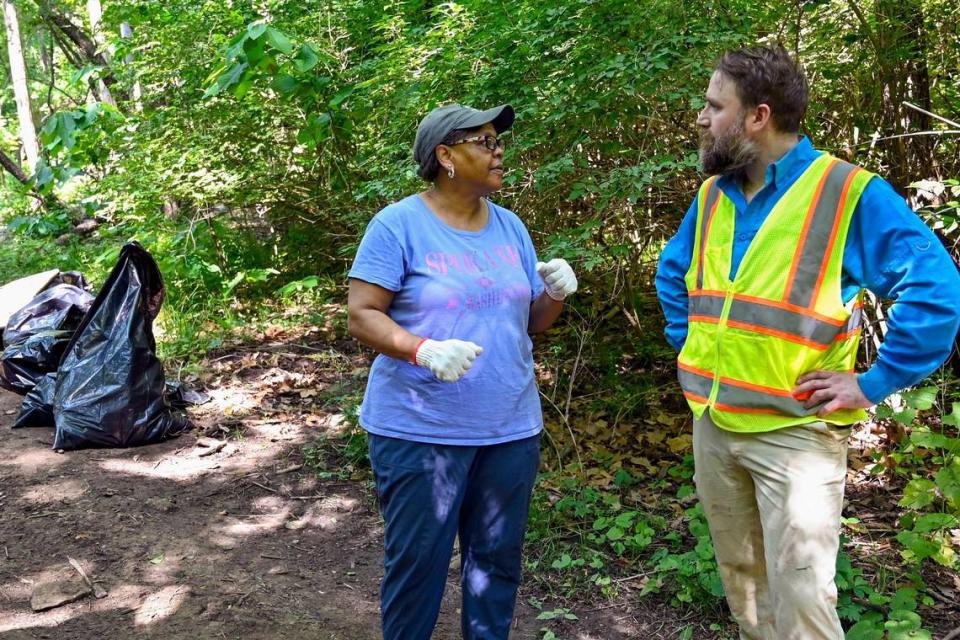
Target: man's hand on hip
column 835, row 390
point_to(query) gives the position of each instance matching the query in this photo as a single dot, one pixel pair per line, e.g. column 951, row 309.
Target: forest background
column 246, row 145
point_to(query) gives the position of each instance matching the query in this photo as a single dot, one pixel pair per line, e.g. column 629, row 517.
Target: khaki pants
column 773, row 503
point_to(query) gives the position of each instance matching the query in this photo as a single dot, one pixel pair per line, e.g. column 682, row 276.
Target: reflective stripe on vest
column 710, row 207
column 783, row 320
column 782, row 316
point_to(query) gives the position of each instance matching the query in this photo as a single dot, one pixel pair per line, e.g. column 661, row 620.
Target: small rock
column 278, row 570
column 48, row 595
column 86, row 227
column 164, row 505
column 210, row 445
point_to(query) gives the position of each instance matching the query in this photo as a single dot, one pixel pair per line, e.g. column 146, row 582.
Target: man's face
column 724, row 147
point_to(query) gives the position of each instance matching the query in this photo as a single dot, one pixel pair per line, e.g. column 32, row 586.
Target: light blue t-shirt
column 453, row 284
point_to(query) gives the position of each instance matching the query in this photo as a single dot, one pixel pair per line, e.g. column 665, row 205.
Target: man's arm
column 671, row 287
column 891, row 252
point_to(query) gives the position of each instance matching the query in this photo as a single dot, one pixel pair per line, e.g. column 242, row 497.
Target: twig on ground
column 633, row 577
column 98, row 593
column 953, row 634
column 290, row 469
column 264, row 487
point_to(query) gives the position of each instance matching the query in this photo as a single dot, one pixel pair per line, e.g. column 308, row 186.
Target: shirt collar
column 793, row 162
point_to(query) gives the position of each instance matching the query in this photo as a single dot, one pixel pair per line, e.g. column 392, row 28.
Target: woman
column 446, row 287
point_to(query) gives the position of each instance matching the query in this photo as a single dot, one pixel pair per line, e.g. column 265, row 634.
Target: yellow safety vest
column 783, row 314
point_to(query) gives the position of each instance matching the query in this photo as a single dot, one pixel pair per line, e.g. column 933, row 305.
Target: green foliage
column 603, row 534
column 268, row 134
column 930, row 460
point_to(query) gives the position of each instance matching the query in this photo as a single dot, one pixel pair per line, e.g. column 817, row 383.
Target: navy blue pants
column 431, row 493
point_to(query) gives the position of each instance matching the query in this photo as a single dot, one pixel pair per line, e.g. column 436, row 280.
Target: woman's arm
column 559, row 282
column 544, row 311
column 369, row 323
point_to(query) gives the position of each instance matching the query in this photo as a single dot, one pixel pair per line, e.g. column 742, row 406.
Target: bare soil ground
column 244, row 542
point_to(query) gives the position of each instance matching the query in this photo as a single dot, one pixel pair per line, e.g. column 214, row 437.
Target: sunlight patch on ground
column 120, row 597
column 161, row 605
column 175, row 467
column 231, row 401
column 253, row 525
column 162, row 567
column 53, row 492
column 30, row 462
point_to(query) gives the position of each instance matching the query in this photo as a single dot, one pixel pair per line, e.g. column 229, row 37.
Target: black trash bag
column 59, row 308
column 24, row 363
column 110, row 384
column 72, row 277
column 180, row 396
column 37, row 408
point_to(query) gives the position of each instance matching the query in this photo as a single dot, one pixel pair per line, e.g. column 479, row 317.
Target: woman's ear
column 444, row 157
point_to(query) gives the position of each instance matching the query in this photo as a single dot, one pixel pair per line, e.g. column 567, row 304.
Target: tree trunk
column 18, row 76
column 95, row 13
column 12, row 168
column 78, row 47
column 127, row 32
column 902, row 60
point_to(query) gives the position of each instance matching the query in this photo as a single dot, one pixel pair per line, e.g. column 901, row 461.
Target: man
column 762, row 288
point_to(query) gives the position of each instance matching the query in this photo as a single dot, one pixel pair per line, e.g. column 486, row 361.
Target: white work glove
column 558, row 278
column 447, row 359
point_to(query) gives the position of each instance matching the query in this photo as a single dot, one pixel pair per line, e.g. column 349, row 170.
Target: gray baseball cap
column 442, row 120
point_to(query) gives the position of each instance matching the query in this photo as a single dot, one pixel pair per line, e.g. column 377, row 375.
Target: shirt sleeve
column 380, row 259
column 671, row 271
column 892, row 253
column 529, row 260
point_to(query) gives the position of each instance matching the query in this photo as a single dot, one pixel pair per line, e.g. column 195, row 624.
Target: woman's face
column 475, row 165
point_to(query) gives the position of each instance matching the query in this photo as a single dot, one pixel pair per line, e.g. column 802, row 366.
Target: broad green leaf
column 920, row 548
column 948, row 480
column 905, row 417
column 256, row 29
column 243, row 86
column 340, row 97
column 306, row 59
column 237, row 279
column 905, row 625
column 953, row 418
column 904, row 599
column 285, row 83
column 934, row 522
column 928, row 440
column 226, row 79
column 865, row 630
column 922, row 398
column 255, row 51
column 918, row 493
column 279, row 40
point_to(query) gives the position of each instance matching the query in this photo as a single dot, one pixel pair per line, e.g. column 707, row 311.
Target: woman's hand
column 558, row 278
column 449, row 360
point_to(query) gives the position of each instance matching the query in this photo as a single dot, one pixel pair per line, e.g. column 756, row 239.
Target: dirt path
column 231, row 544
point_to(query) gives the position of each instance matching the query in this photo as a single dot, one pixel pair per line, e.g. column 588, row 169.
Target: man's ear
column 758, row 118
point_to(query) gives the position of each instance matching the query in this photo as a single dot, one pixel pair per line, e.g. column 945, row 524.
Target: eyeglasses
column 490, row 142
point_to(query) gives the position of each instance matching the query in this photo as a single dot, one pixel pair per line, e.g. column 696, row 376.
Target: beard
column 728, row 154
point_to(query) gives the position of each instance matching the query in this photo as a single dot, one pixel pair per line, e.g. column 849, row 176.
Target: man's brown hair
column 768, row 75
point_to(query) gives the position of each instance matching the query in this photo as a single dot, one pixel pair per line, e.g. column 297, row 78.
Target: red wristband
column 416, row 349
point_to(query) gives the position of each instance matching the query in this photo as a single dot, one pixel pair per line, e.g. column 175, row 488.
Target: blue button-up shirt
column 888, row 251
